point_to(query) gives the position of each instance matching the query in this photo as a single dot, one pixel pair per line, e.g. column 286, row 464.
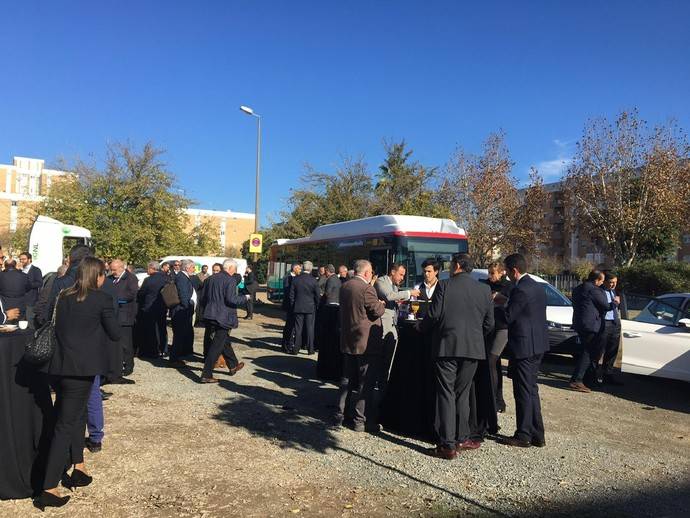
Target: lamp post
column 249, row 111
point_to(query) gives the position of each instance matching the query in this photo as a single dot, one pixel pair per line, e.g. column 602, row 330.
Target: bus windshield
column 414, row 251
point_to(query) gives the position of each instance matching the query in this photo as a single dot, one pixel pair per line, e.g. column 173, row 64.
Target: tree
column 629, row 187
column 131, row 207
column 484, row 198
column 406, row 187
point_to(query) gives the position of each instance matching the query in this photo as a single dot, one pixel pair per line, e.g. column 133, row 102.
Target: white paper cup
column 23, row 324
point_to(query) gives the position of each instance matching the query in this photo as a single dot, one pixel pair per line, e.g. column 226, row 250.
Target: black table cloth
column 25, row 410
column 329, row 366
column 409, row 404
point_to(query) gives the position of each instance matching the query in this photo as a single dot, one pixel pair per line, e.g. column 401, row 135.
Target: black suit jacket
column 84, row 332
column 14, row 287
column 526, row 317
column 304, row 294
column 221, row 300
column 126, row 289
column 250, row 282
column 36, row 280
column 461, row 314
column 589, row 307
column 149, row 296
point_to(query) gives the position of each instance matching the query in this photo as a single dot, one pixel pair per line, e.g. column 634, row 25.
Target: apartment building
column 233, row 228
column 568, row 246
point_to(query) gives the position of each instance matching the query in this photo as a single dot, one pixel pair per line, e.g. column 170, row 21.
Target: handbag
column 171, row 297
column 41, row 347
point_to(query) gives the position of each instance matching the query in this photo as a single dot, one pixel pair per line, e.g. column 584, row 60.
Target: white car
column 657, row 341
column 559, row 316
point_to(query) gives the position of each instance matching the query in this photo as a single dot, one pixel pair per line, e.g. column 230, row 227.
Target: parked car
column 559, row 316
column 656, row 342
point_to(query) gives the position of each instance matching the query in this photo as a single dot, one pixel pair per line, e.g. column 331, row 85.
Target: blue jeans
column 94, row 412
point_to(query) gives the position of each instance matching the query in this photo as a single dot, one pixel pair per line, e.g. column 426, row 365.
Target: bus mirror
column 684, row 322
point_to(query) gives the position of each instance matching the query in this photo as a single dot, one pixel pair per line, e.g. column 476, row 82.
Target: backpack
column 170, row 296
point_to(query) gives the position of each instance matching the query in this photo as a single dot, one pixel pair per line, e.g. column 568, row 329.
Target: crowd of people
column 469, row 325
column 103, row 318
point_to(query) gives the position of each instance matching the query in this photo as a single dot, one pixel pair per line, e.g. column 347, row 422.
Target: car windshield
column 555, row 297
column 664, row 311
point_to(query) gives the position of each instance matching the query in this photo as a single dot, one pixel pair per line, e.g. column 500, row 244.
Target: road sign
column 255, row 243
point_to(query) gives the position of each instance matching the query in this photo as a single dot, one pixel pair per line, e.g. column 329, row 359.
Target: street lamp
column 249, row 111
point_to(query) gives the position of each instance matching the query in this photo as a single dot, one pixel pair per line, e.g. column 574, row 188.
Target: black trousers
column 67, row 444
column 127, row 350
column 453, row 381
column 220, row 345
column 304, row 332
column 208, row 337
column 589, row 356
column 329, row 365
column 250, row 303
column 183, row 333
column 611, row 341
column 289, row 331
column 530, row 425
column 356, row 397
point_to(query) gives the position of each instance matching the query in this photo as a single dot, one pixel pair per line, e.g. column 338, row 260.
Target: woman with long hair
column 84, row 321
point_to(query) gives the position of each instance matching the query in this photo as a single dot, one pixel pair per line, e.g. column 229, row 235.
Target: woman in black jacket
column 84, row 321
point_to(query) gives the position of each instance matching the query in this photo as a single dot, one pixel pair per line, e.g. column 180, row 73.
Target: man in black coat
column 35, row 280
column 251, row 285
column 126, row 288
column 528, row 340
column 304, row 300
column 220, row 314
column 289, row 328
column 182, row 315
column 459, row 318
column 14, row 287
column 589, row 307
column 152, row 335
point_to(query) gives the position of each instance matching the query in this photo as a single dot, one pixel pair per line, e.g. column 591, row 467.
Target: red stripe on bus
column 441, row 235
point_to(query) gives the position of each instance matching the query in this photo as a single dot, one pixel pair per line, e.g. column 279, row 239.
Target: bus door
column 379, row 261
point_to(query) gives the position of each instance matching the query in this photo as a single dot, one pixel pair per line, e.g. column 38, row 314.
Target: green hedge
column 655, row 278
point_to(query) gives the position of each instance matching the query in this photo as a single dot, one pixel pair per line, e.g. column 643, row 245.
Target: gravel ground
column 258, row 444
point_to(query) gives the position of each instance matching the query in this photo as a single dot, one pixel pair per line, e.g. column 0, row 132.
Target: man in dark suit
column 528, row 340
column 126, row 288
column 35, row 280
column 182, row 314
column 151, row 326
column 589, row 307
column 251, row 285
column 461, row 315
column 361, row 341
column 14, row 287
column 220, row 314
column 289, row 328
column 612, row 332
column 304, row 300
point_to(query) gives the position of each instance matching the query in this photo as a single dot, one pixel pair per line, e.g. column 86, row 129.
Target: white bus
column 383, row 240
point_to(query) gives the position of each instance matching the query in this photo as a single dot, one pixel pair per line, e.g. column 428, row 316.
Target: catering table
column 25, row 407
column 409, row 404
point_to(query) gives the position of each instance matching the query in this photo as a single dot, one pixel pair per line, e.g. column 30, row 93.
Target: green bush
column 655, row 278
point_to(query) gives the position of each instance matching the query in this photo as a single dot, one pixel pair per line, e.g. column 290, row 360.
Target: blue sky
column 330, row 79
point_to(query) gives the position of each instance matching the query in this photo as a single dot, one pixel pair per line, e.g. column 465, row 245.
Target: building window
column 13, row 217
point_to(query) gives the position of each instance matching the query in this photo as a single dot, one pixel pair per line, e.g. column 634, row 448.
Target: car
column 656, row 342
column 559, row 316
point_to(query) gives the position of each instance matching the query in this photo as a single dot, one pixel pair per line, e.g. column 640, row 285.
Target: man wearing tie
column 527, row 342
column 126, row 287
column 611, row 338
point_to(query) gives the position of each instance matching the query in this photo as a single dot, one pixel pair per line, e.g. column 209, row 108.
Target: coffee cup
column 23, row 324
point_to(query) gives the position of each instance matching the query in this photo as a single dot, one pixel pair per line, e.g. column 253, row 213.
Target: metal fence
column 563, row 283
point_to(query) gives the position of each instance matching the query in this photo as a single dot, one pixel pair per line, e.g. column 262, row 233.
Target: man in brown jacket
column 361, row 339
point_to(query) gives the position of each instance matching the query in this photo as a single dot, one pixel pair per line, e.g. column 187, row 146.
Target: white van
column 51, row 241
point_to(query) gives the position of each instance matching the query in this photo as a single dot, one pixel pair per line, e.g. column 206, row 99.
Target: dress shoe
column 578, row 386
column 77, row 479
column 357, row 427
column 236, row 368
column 539, row 443
column 441, row 452
column 46, row 499
column 468, row 444
column 123, row 381
column 514, row 441
column 209, row 380
column 105, row 396
column 93, row 446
